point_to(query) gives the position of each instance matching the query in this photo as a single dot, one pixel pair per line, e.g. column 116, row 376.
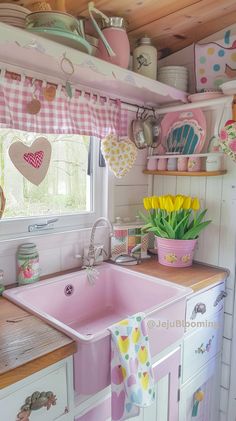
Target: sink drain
column 69, row 289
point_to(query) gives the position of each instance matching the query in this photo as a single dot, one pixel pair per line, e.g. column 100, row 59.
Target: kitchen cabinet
column 206, row 382
column 166, row 405
column 56, row 379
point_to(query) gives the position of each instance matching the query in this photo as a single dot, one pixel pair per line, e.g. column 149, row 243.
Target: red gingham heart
column 34, row 159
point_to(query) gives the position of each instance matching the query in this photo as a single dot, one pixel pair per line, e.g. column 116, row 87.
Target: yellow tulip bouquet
column 174, row 217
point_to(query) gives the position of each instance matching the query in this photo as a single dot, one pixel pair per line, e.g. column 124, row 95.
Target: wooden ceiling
column 173, row 24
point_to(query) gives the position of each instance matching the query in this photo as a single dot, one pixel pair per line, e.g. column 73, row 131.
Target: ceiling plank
column 136, row 12
column 173, row 44
column 177, row 30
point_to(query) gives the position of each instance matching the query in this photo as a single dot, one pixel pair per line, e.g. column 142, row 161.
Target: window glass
column 67, row 187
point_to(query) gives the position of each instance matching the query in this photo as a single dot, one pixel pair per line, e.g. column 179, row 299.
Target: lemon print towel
column 131, row 369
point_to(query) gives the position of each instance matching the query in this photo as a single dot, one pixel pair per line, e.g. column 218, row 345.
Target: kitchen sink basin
column 85, row 312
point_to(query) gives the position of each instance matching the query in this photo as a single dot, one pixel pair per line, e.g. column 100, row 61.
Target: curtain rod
column 9, row 68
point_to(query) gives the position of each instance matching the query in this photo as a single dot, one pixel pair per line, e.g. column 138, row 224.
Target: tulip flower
column 178, row 202
column 195, row 204
column 168, row 203
column 147, row 203
column 167, row 219
column 161, row 202
column 187, row 203
column 155, row 202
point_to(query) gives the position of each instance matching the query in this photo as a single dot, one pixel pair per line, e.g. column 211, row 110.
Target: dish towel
column 132, row 381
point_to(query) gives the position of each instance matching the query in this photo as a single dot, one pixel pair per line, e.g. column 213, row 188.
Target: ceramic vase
column 175, row 253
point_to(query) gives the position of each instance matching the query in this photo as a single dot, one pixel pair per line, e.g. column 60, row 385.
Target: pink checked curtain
column 81, row 114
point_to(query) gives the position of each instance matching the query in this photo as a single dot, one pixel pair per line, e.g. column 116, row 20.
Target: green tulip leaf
column 194, row 232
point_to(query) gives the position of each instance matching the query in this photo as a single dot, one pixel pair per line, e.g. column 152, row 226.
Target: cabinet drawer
column 203, row 305
column 201, row 345
column 52, row 379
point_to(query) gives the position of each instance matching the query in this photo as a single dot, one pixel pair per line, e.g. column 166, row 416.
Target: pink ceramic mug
column 182, row 164
column 162, row 164
column 194, row 164
column 152, row 164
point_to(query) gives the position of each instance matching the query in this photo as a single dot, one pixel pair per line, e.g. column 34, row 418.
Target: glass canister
column 27, row 264
column 145, row 58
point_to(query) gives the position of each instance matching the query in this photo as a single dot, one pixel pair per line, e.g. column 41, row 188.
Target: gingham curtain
column 78, row 115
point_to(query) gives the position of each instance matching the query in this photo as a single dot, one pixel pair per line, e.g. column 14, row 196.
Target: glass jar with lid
column 145, row 58
column 27, row 264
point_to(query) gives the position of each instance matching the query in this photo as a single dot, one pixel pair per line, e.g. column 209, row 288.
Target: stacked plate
column 12, row 14
column 176, row 76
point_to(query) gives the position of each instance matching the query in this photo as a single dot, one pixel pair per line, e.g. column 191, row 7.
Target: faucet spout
column 91, row 251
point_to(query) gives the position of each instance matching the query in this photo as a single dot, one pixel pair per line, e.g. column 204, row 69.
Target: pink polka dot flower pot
column 175, row 253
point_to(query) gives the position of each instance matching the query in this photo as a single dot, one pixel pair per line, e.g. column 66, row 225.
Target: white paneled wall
column 217, row 243
column 129, row 191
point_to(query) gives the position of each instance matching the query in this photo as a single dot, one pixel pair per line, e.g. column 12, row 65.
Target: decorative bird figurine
column 136, row 335
column 123, row 343
column 145, row 380
column 143, row 355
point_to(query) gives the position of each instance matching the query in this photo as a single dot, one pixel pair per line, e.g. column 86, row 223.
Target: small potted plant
column 176, row 222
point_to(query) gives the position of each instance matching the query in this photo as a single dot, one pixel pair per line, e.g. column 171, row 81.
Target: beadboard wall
column 217, row 242
column 127, row 193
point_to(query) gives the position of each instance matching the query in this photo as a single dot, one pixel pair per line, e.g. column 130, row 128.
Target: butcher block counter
column 197, row 276
column 27, row 344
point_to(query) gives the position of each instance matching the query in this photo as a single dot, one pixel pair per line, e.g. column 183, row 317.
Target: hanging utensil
column 91, row 10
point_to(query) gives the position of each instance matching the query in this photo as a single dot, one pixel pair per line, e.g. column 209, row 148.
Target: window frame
column 18, row 227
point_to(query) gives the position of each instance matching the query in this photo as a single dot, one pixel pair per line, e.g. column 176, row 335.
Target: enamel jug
column 113, row 45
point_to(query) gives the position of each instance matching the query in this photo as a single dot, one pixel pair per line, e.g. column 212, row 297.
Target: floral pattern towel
column 132, row 379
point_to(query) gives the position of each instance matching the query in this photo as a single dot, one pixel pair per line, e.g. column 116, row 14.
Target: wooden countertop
column 197, row 277
column 27, row 344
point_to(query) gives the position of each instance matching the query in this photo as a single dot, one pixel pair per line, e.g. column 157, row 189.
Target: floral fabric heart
column 228, row 139
column 120, row 155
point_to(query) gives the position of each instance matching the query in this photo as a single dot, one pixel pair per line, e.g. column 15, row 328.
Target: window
column 68, row 191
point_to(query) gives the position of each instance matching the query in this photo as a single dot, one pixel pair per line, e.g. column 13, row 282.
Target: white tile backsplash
column 56, row 251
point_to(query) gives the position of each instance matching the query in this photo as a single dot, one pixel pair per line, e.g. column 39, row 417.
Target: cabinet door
column 165, row 407
column 206, row 381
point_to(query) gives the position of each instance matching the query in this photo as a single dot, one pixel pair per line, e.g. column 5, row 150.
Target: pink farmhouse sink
column 84, row 312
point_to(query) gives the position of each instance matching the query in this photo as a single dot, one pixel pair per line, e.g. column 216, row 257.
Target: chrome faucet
column 91, row 251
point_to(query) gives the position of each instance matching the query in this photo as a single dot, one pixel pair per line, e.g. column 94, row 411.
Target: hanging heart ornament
column 120, row 155
column 227, row 139
column 32, row 161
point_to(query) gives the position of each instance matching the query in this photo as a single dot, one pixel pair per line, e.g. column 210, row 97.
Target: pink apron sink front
column 84, row 312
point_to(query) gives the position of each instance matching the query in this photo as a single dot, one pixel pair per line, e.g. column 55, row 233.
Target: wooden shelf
column 24, row 50
column 186, row 173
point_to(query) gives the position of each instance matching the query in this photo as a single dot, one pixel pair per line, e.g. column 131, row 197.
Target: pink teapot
column 113, row 45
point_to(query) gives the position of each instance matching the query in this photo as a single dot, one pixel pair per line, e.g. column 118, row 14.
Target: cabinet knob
column 198, row 397
column 199, row 308
column 220, row 297
column 34, row 402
